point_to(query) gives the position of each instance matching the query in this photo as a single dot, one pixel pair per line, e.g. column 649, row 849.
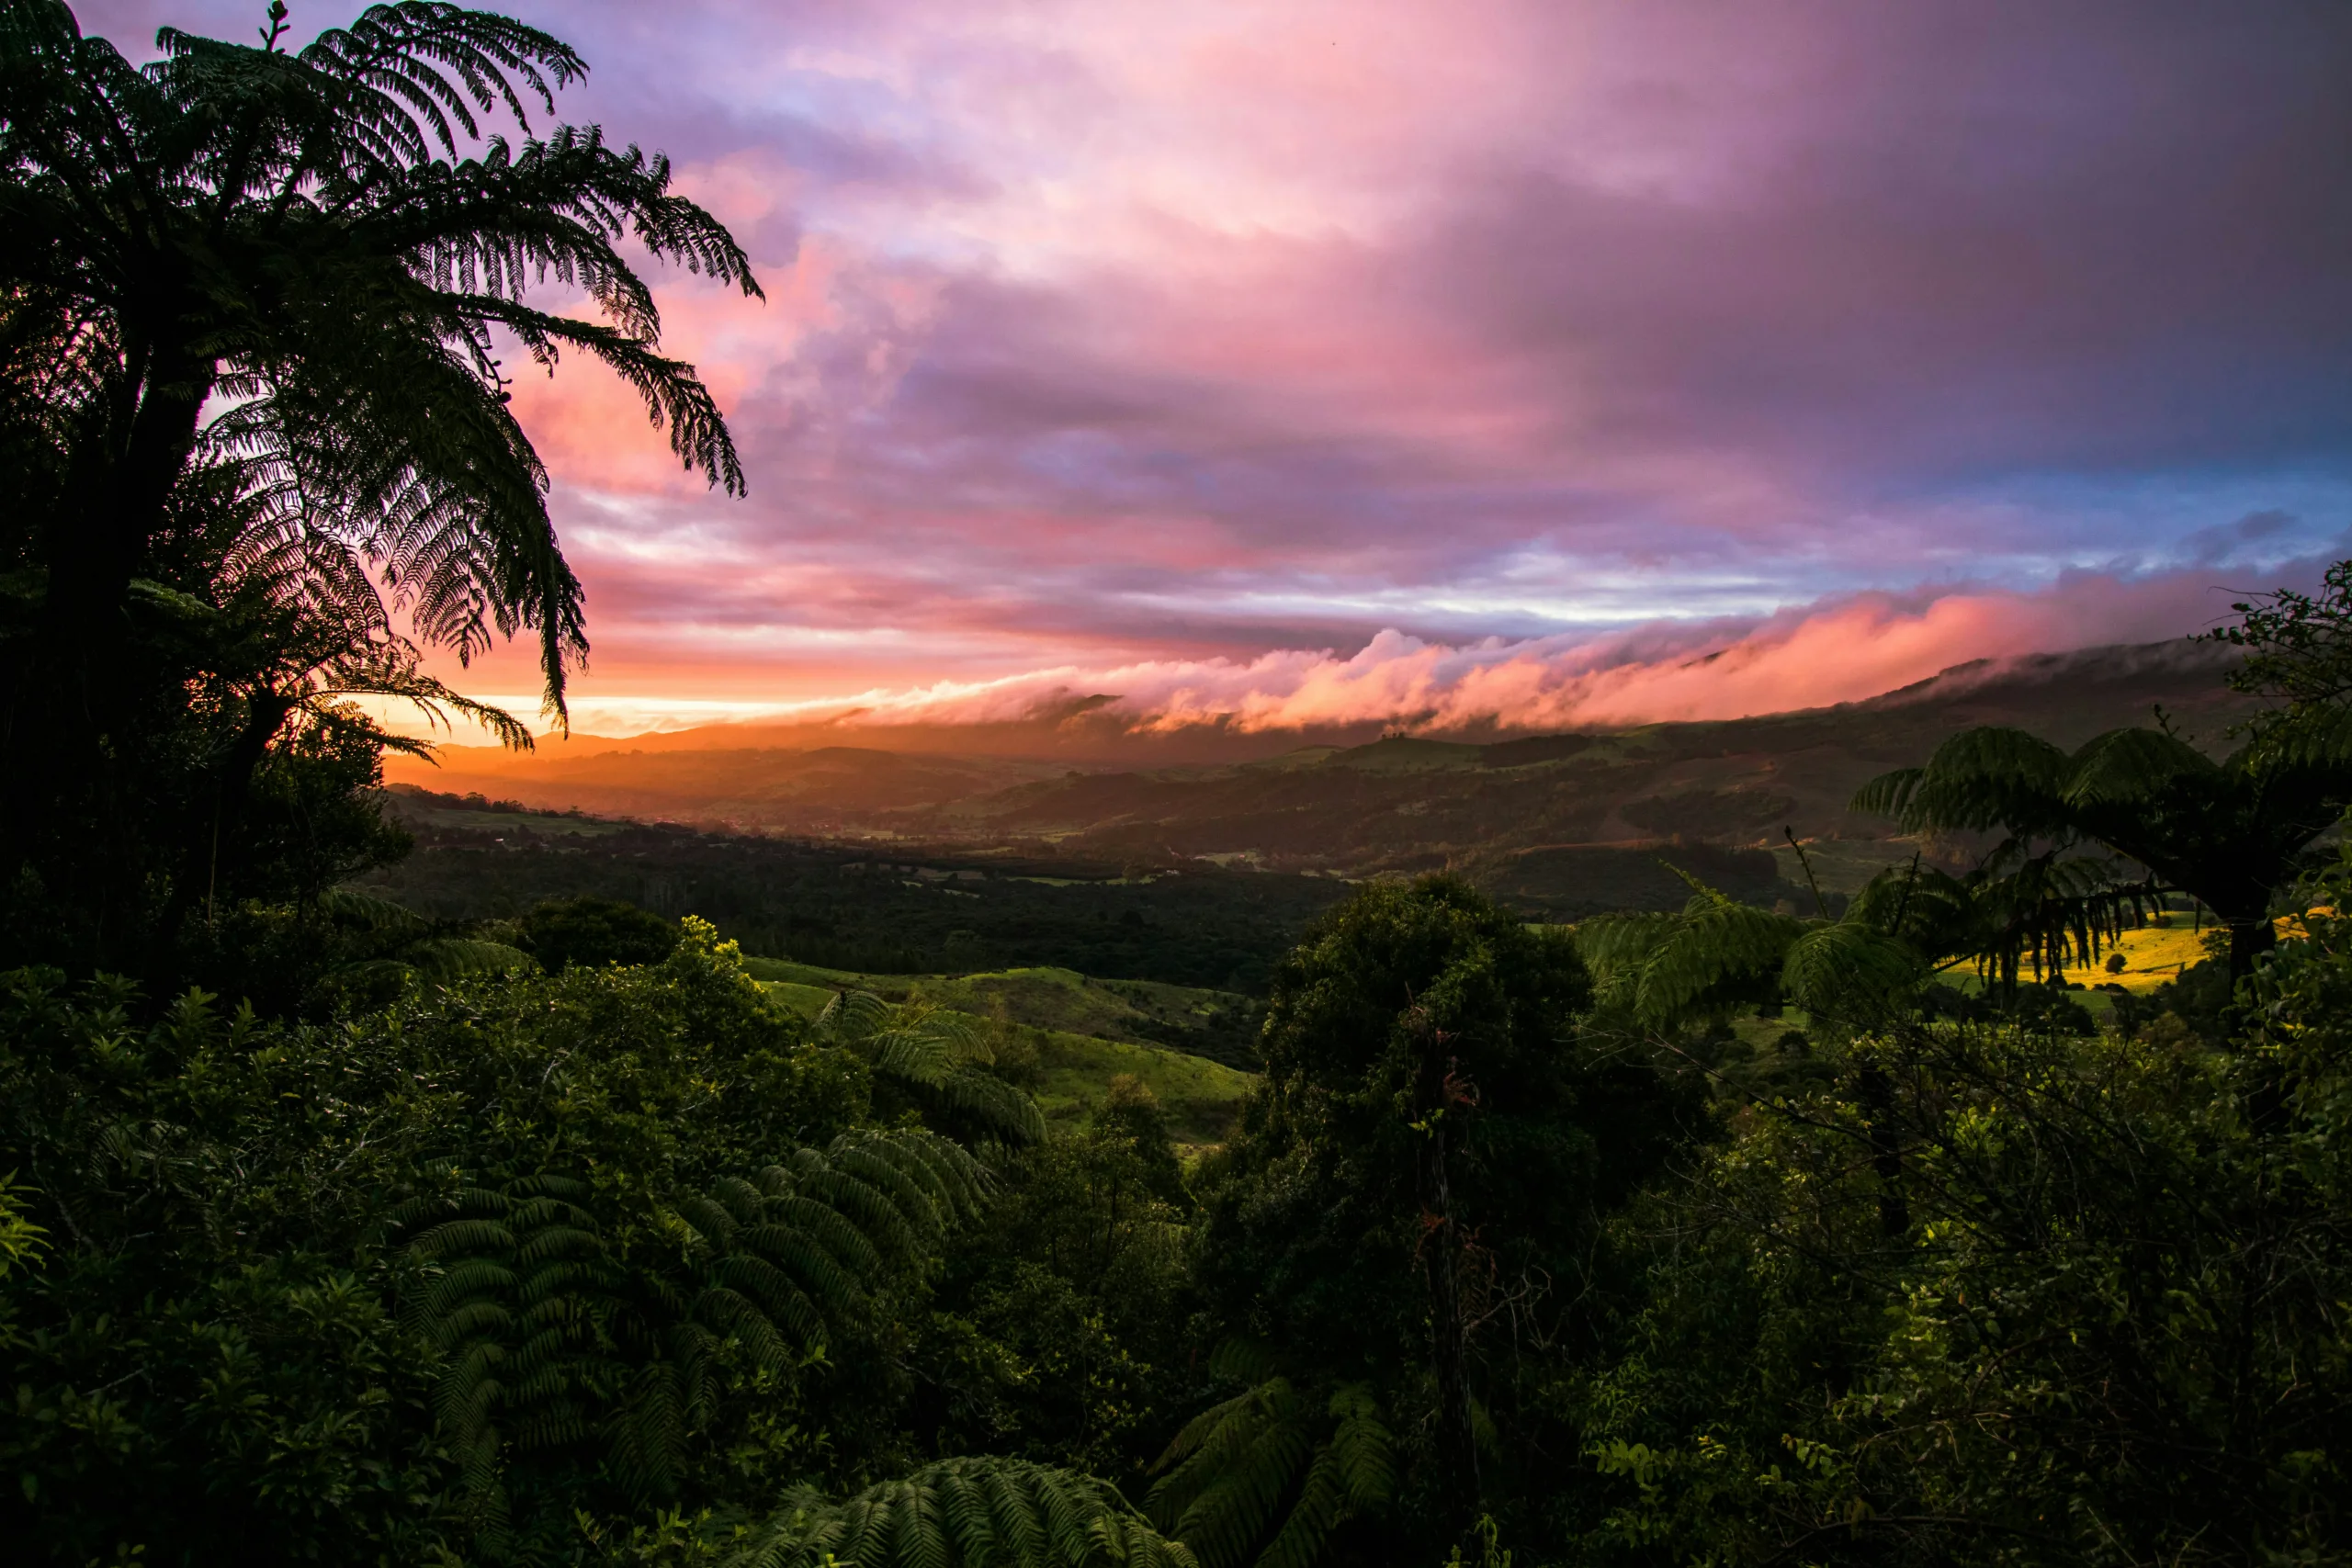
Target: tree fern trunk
column 1458, row 1437
column 1440, row 1255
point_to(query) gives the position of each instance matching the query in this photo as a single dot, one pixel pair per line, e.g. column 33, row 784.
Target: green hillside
column 1561, row 825
column 1084, row 1031
column 1571, row 824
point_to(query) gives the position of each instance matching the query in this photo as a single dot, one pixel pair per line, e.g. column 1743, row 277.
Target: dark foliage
column 2235, row 834
column 1415, row 1198
column 839, row 907
column 1999, row 1295
column 561, row 932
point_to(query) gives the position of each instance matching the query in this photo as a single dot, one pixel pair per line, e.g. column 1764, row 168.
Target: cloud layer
column 1847, row 650
column 1166, row 342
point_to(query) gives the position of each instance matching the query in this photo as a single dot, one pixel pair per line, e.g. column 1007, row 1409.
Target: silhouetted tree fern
column 2232, row 832
column 252, row 297
column 1716, row 953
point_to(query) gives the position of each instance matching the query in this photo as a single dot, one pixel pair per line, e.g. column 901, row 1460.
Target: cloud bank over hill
column 1851, row 649
column 1845, row 650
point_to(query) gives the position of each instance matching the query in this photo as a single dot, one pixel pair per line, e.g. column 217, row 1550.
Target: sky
column 1531, row 362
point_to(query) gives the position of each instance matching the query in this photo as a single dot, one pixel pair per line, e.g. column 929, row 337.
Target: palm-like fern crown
column 2049, row 909
column 2229, row 831
column 297, row 236
column 289, row 613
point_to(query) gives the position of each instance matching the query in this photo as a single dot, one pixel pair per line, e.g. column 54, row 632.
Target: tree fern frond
column 2126, row 767
column 552, row 1242
column 1242, row 1360
column 1234, row 1511
column 1888, row 795
column 350, row 906
column 1850, row 970
column 447, row 958
column 963, row 1513
column 800, row 1221
column 1320, row 1504
column 810, row 1274
column 1003, row 1108
column 1987, row 777
column 465, row 1238
column 851, row 1016
column 1715, row 941
column 1213, row 1443
column 910, row 1057
column 647, row 1435
column 1362, row 1449
column 550, row 1327
column 1224, row 1422
column 1614, row 947
column 711, row 1223
column 742, row 1318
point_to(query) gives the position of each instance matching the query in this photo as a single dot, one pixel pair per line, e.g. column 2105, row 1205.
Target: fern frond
column 1715, row 941
column 350, row 907
column 553, row 1332
column 1363, row 1448
column 2128, row 767
column 1987, row 777
column 1235, row 1510
column 646, row 1434
column 1889, row 795
column 1850, row 971
column 1240, row 1359
column 848, row 1017
column 1003, row 1108
column 963, row 1513
column 447, row 958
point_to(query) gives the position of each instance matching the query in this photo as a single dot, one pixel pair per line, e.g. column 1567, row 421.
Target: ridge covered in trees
column 338, row 1230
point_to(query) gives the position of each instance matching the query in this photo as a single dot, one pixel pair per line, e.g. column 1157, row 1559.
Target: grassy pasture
column 1083, row 1030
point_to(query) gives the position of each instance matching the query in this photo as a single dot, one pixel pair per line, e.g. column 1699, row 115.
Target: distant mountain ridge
column 1533, row 816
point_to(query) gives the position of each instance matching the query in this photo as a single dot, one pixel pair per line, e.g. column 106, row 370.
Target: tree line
column 1719, row 1235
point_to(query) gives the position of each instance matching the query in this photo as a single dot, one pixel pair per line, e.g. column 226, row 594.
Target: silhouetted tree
column 253, row 295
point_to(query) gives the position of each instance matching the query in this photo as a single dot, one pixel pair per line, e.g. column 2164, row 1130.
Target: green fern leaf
column 963, row 1513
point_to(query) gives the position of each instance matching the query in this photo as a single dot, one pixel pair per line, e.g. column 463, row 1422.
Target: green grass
column 1084, row 1031
column 1039, row 998
column 889, row 987
column 1201, row 1098
column 2152, row 955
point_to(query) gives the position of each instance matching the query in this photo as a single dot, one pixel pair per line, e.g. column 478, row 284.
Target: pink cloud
column 1841, row 651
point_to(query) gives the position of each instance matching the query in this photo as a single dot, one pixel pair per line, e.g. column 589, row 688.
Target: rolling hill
column 1561, row 825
